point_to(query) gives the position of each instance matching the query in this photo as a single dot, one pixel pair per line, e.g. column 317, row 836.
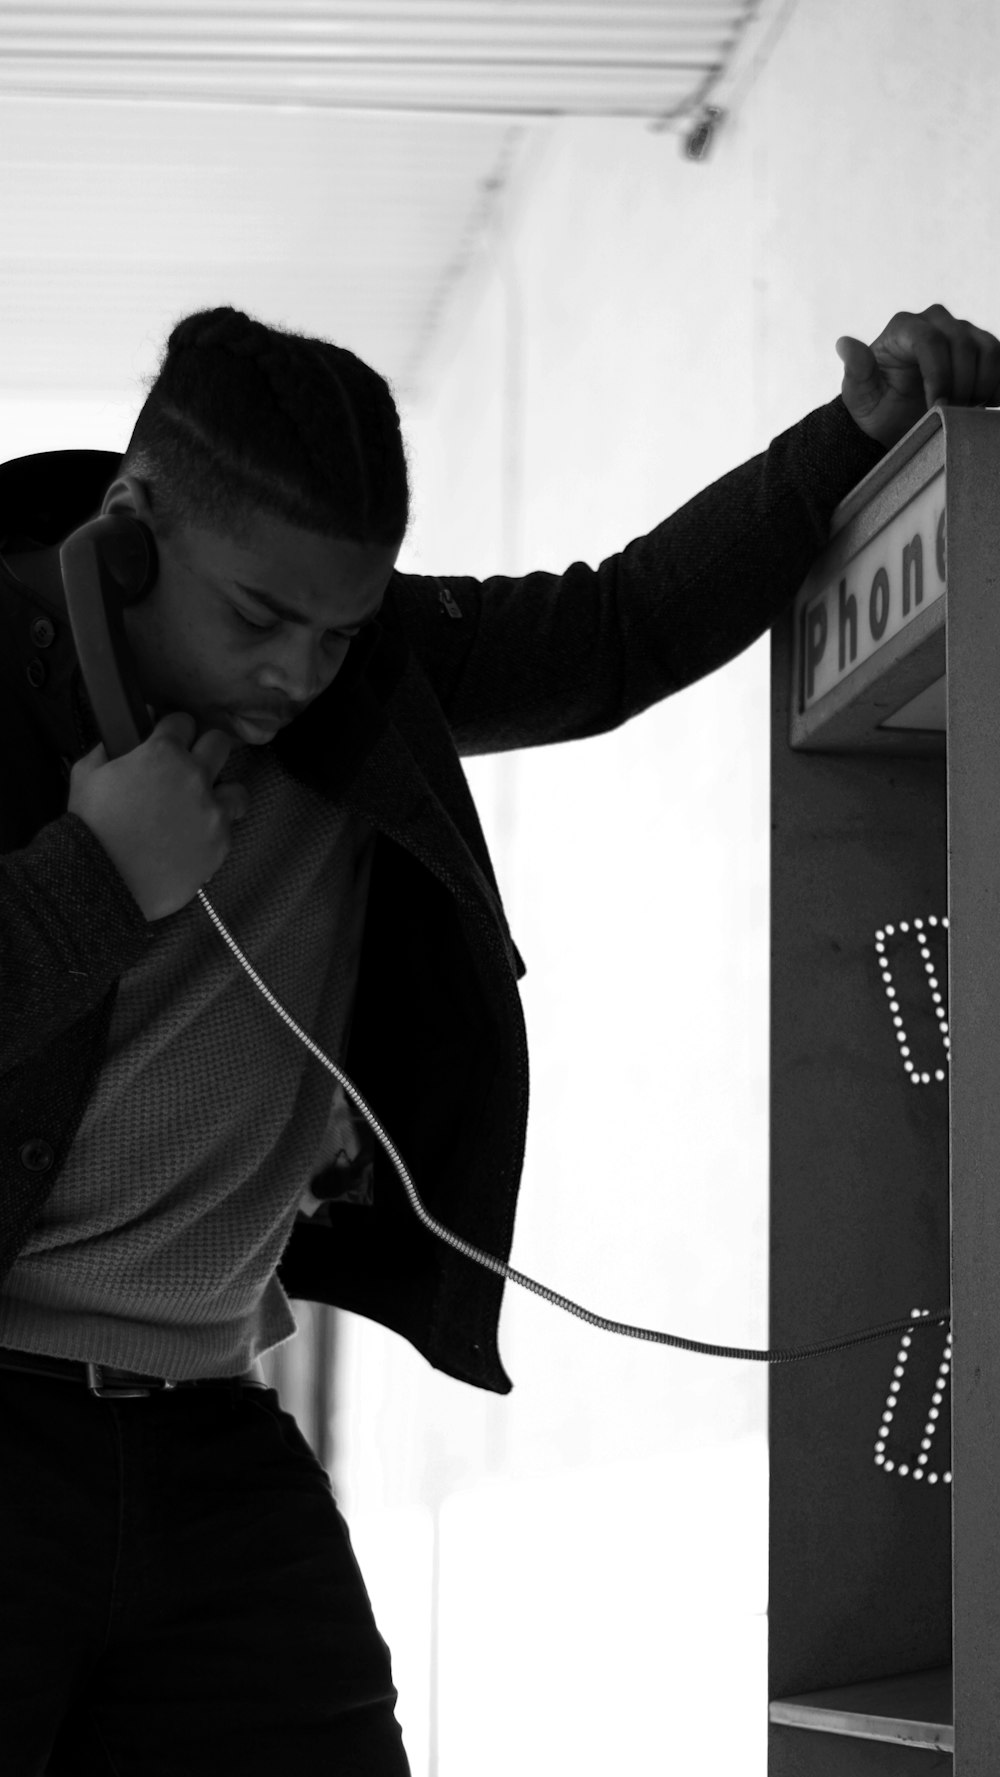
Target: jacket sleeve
column 69, row 926
column 555, row 657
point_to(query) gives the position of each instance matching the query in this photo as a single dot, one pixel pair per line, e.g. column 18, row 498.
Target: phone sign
column 854, row 611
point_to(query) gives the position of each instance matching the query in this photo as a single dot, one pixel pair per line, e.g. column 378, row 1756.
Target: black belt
column 111, row 1383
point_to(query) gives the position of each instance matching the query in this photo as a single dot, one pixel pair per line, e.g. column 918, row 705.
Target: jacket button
column 36, row 1155
column 42, row 632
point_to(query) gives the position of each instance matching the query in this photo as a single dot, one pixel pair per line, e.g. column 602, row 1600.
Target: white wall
column 644, row 324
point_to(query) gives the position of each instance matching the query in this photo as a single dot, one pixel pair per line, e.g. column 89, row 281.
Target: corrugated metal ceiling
column 328, row 167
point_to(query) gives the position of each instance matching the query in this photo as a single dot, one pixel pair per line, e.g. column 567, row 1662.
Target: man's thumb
column 89, row 762
column 858, row 359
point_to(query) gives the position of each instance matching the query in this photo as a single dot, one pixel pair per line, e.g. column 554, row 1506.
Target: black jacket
column 454, row 666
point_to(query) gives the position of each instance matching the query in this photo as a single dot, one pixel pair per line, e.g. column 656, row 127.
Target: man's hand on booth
column 915, row 361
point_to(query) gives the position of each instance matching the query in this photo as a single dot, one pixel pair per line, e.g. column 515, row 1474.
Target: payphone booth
column 884, row 1569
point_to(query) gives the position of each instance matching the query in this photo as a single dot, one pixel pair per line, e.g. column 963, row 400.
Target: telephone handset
column 111, row 562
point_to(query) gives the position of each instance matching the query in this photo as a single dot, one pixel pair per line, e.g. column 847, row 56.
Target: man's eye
column 261, row 628
column 264, row 629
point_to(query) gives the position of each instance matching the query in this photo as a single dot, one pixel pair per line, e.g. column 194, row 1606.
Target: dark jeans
column 178, row 1593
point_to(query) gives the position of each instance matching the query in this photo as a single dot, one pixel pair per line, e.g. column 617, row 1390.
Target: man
column 179, row 1591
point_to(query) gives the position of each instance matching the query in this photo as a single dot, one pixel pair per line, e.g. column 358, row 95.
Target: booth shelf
column 913, row 1710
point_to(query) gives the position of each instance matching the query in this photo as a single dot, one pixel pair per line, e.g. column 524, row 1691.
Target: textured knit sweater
column 175, row 1166
column 158, row 1248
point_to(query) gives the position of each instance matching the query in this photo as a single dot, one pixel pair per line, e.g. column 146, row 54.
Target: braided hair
column 243, row 418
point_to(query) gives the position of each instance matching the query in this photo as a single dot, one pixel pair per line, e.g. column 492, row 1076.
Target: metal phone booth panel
column 884, row 1515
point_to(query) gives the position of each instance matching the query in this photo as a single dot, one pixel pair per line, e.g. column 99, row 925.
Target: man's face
column 203, row 644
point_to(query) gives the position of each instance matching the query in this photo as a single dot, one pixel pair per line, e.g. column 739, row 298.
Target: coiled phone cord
column 918, row 1317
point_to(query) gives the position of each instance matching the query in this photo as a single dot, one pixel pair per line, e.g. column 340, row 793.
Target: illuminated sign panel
column 856, row 610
